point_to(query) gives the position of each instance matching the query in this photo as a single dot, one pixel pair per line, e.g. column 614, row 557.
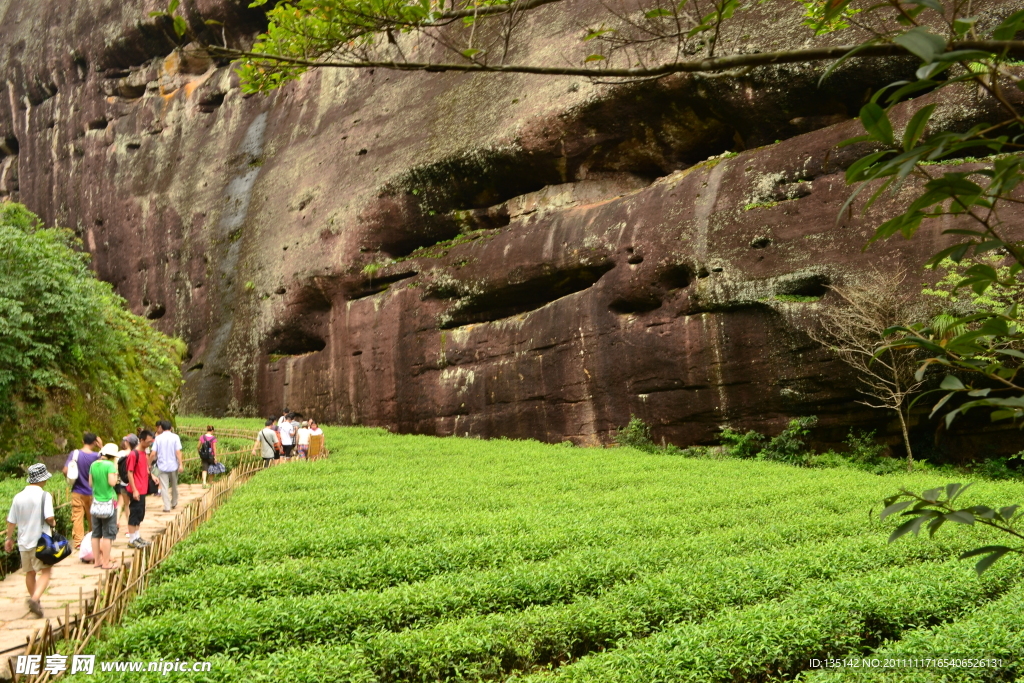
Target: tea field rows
column 404, row 558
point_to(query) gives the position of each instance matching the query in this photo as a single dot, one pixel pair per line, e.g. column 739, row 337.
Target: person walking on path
column 302, row 440
column 32, row 514
column 207, row 451
column 76, row 469
column 168, row 463
column 138, row 488
column 268, row 442
column 287, row 437
column 102, row 478
column 128, row 443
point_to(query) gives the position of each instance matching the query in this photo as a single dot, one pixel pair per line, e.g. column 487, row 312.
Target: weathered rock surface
column 483, row 255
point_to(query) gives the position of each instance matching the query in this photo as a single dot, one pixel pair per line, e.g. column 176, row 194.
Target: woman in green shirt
column 102, row 477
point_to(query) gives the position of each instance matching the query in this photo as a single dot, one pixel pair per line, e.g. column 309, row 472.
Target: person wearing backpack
column 76, row 469
column 128, row 444
column 137, row 466
column 32, row 514
column 207, row 452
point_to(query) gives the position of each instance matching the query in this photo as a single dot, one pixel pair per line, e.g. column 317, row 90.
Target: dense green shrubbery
column 72, row 358
column 862, row 451
column 789, row 446
column 742, row 445
column 635, row 434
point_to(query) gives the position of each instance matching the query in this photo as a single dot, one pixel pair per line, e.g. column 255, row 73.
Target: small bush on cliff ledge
column 636, row 434
column 72, row 358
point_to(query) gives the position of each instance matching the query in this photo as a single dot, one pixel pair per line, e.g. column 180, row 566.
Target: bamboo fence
column 108, row 603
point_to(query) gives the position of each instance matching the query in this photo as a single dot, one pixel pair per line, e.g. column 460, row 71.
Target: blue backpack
column 52, row 548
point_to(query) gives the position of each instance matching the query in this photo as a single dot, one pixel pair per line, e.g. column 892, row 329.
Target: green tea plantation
column 405, row 558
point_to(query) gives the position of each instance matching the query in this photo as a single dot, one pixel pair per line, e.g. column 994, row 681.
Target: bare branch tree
column 853, row 331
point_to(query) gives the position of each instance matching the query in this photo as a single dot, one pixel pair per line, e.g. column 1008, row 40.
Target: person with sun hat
column 32, row 514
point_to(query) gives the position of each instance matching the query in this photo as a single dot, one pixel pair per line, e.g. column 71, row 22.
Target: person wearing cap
column 32, row 514
column 81, row 492
column 138, row 488
column 102, row 477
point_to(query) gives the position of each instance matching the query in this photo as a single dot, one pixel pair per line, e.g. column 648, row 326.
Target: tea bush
column 406, row 558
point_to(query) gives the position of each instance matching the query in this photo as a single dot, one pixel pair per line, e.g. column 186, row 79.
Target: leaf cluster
column 934, row 507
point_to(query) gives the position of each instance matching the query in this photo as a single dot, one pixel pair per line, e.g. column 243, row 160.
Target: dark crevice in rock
column 98, row 124
column 377, row 285
column 638, row 303
column 815, row 285
column 9, row 146
column 209, row 104
column 155, row 311
column 197, row 366
column 308, row 300
column 40, row 91
column 676, row 276
column 294, row 342
column 515, row 299
column 137, row 46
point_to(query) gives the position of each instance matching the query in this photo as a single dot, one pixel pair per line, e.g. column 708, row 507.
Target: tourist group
column 285, row 438
column 109, row 485
column 101, row 476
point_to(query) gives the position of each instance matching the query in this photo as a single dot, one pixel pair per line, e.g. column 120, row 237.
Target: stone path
column 70, row 576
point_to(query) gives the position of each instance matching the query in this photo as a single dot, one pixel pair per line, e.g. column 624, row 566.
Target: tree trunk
column 906, row 440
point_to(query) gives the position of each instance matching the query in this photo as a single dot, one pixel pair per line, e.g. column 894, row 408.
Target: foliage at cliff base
column 72, row 357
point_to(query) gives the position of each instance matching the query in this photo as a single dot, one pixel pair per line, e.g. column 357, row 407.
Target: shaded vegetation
column 72, row 357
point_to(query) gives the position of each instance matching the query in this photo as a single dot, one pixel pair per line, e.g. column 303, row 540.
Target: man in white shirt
column 287, row 430
column 167, row 447
column 28, row 510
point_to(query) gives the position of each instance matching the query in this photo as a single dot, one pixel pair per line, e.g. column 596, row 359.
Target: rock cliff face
column 483, row 255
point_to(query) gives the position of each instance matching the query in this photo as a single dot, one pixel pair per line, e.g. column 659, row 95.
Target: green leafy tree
column 628, row 42
column 72, row 358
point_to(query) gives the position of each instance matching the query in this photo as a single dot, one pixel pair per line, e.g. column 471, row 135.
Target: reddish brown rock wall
column 597, row 264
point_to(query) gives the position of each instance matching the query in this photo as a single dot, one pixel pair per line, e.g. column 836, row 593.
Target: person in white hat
column 28, row 510
column 102, row 478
